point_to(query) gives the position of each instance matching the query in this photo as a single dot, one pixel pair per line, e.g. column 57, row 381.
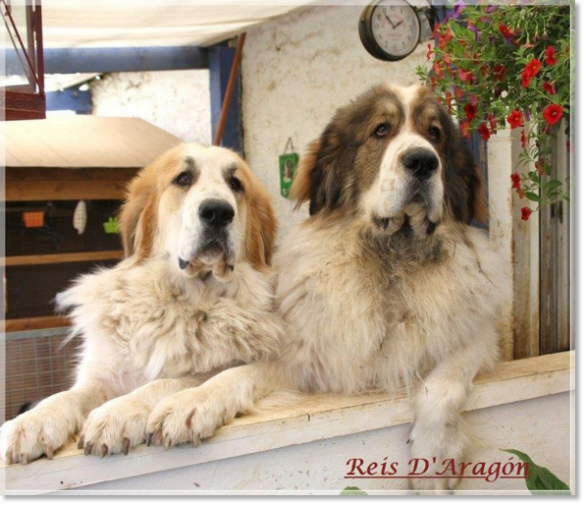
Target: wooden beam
column 124, row 59
column 20, row 191
column 38, row 322
column 220, row 64
column 59, row 258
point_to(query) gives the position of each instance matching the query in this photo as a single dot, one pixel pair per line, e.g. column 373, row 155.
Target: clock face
column 395, row 28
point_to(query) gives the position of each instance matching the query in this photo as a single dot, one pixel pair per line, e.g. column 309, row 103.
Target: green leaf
column 539, row 479
column 552, row 185
column 353, row 491
column 532, row 196
column 534, row 177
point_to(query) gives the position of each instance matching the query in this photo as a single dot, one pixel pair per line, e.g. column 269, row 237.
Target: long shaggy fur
column 151, row 329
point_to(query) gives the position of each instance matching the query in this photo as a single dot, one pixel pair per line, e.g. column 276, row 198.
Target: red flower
column 548, row 88
column 493, row 123
column 470, row 110
column 484, row 132
column 515, row 119
column 429, row 51
column 438, row 70
column 553, row 113
column 533, row 67
column 550, row 56
column 506, row 33
column 499, row 72
column 525, row 79
column 465, row 76
column 458, row 92
column 465, row 129
column 525, row 213
column 516, row 179
column 523, row 139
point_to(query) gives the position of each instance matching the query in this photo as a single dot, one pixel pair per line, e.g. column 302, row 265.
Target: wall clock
column 391, row 29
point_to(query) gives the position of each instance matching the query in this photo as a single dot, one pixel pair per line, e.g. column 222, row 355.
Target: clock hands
column 390, row 21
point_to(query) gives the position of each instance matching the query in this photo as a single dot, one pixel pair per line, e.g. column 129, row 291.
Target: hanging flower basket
column 508, row 65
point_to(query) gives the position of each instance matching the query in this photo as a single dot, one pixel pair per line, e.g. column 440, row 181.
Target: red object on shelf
column 24, row 84
column 34, row 219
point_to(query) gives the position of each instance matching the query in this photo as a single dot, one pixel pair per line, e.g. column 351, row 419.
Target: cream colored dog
column 191, row 299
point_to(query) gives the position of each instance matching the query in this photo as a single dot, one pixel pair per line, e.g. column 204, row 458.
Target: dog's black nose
column 422, row 162
column 216, row 213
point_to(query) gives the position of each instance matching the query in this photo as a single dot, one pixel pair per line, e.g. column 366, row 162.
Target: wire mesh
column 37, row 366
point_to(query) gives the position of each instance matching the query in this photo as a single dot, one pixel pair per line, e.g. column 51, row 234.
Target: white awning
column 141, row 23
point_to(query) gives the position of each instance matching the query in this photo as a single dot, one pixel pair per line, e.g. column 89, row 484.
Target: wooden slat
column 59, row 258
column 20, row 191
column 51, row 174
column 313, row 418
column 39, row 322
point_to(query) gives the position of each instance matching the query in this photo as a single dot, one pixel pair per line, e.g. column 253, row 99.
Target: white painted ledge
column 316, row 418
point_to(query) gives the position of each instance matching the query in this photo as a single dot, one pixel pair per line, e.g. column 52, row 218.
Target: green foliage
column 509, row 64
column 540, row 479
column 353, row 491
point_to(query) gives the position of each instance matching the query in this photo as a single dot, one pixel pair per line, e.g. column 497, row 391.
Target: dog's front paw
column 188, row 416
column 38, row 432
column 114, row 427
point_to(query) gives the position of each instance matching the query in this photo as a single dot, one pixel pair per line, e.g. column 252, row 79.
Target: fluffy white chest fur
column 144, row 322
column 365, row 314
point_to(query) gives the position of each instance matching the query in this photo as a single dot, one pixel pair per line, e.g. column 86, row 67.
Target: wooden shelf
column 59, row 258
column 35, row 323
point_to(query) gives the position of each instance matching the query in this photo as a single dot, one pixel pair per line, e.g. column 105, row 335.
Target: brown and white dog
column 192, row 298
column 385, row 285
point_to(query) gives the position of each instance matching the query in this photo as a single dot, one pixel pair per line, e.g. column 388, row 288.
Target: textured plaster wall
column 177, row 101
column 296, row 72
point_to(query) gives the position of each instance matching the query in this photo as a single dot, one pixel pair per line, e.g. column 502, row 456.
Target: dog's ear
column 320, row 175
column 305, row 173
column 138, row 217
column 463, row 181
column 261, row 226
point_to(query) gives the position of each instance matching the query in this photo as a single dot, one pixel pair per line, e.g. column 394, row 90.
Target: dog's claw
column 149, row 438
column 49, row 452
column 80, row 443
column 125, row 445
column 88, row 449
column 196, row 441
column 23, row 459
column 103, row 451
column 168, row 443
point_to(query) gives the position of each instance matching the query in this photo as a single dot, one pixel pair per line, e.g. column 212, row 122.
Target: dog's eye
column 381, row 130
column 235, row 184
column 434, row 133
column 183, row 179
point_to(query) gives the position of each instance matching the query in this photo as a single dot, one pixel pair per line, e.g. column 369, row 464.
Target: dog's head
column 392, row 150
column 198, row 204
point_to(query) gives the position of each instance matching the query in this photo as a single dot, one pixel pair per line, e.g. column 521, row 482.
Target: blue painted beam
column 124, row 59
column 70, row 99
column 220, row 63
